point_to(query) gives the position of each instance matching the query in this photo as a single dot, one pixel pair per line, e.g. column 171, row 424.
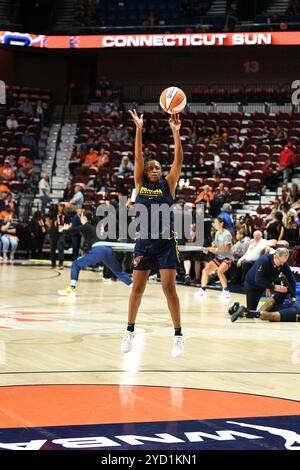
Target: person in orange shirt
column 91, row 158
column 206, row 196
column 7, row 172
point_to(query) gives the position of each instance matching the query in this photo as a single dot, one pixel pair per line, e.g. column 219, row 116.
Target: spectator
column 275, row 229
column 206, row 197
column 151, row 20
column 217, row 163
column 11, row 123
column 287, row 160
column 37, row 228
column 201, row 168
column 26, row 107
column 291, row 230
column 78, row 198
column 256, row 248
column 239, row 249
column 9, row 238
column 221, row 196
column 41, row 112
column 68, row 192
column 225, row 214
column 28, row 140
column 122, row 134
column 126, row 167
column 7, row 171
column 44, row 192
column 57, row 219
column 91, row 158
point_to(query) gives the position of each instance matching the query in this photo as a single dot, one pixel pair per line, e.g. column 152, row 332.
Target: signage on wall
column 150, row 40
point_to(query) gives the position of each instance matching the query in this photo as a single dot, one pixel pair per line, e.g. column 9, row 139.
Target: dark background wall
column 55, row 69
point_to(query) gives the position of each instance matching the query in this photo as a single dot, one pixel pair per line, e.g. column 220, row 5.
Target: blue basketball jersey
column 158, row 202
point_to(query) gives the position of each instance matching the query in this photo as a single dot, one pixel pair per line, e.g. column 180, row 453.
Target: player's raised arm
column 175, row 170
column 139, row 159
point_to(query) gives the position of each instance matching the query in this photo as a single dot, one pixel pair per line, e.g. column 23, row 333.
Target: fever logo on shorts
column 137, row 261
column 121, row 417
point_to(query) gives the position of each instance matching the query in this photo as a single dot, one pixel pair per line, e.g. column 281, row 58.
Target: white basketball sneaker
column 225, row 294
column 126, row 343
column 178, row 346
column 200, row 294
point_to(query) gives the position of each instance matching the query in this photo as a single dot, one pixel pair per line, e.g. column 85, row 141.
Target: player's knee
column 138, row 289
column 169, row 289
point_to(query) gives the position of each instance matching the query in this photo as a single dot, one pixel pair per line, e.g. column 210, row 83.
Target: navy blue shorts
column 288, row 312
column 155, row 254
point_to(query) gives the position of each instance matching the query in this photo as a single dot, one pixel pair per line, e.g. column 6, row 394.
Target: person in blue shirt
column 261, row 278
column 156, row 246
column 225, row 214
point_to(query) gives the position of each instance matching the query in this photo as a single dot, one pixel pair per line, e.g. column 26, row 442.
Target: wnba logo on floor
column 159, row 222
column 2, row 92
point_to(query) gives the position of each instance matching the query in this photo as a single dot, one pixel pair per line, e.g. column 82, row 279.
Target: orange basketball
column 172, row 100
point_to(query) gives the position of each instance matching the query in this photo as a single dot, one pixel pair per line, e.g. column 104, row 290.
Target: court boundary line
column 153, row 386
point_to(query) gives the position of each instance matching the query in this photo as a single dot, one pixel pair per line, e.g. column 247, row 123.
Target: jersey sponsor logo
column 151, row 192
column 137, row 261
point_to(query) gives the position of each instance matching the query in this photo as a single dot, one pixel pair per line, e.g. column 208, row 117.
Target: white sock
column 73, row 283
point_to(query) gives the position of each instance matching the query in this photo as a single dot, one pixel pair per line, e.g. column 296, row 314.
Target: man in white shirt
column 44, row 192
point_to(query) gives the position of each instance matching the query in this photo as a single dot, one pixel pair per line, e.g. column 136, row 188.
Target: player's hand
column 212, row 249
column 137, row 120
column 268, row 293
column 293, row 300
column 175, row 122
column 280, row 288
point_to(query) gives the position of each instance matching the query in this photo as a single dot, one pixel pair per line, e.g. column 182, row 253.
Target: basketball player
column 271, row 311
column 222, row 250
column 97, row 254
column 159, row 251
column 261, row 278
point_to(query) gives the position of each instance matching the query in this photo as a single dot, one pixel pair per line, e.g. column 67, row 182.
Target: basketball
column 172, row 100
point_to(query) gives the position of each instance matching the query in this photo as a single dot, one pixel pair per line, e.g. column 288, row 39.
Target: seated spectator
column 239, row 249
column 206, row 197
column 28, row 140
column 256, row 248
column 90, row 142
column 9, row 238
column 26, row 107
column 77, row 158
column 269, row 178
column 12, row 123
column 41, row 112
column 126, row 167
column 221, row 196
column 201, row 169
column 295, row 193
column 68, row 192
column 275, row 228
column 91, row 158
column 291, row 230
column 217, row 163
column 78, row 198
column 103, row 157
column 7, row 171
column 122, row 134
